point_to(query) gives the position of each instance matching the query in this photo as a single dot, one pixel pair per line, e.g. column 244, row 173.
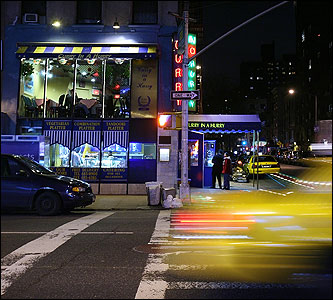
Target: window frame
column 143, row 6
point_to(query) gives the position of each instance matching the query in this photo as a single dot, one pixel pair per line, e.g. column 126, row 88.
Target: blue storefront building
column 94, row 94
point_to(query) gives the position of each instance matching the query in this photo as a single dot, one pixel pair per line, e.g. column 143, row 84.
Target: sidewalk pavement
column 140, row 202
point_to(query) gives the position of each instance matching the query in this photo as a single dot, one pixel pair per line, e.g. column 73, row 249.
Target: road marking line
column 152, row 285
column 86, row 232
column 23, row 258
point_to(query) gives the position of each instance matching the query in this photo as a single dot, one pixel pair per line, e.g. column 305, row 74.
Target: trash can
column 153, row 189
column 168, row 191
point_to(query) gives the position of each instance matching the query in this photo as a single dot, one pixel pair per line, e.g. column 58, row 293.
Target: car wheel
column 48, row 204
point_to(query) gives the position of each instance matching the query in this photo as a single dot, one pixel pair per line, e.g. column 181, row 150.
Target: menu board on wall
column 63, row 171
column 86, row 174
column 113, row 174
column 144, row 89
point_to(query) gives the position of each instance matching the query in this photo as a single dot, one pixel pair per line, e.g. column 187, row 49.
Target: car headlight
column 78, row 189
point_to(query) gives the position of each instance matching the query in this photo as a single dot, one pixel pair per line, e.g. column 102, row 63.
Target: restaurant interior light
column 116, row 25
column 56, row 24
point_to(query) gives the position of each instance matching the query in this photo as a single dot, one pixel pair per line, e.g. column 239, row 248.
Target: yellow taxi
column 273, row 236
column 267, row 165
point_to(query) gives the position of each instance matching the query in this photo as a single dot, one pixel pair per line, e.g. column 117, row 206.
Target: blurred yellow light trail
column 217, row 221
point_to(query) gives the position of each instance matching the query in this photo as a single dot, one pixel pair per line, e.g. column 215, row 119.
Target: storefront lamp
column 116, row 25
column 56, row 24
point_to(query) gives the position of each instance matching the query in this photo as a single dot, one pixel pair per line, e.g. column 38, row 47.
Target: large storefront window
column 117, row 89
column 85, row 156
column 58, row 156
column 88, row 99
column 142, row 151
column 31, row 88
column 89, row 83
column 114, row 156
column 59, row 85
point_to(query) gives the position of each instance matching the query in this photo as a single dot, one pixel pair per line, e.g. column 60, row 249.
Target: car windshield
column 266, row 159
column 35, row 167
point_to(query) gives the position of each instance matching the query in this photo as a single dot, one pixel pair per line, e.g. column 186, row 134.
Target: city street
column 166, row 150
column 123, row 254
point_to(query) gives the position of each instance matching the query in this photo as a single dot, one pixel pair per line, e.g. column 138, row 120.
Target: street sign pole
column 184, row 189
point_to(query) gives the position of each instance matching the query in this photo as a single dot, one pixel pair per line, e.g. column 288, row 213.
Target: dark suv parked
column 27, row 184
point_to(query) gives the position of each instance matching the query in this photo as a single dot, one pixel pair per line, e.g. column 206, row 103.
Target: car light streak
column 275, row 193
column 285, row 228
column 217, row 221
column 294, row 180
column 204, row 237
column 255, row 213
column 275, row 180
column 211, row 228
column 272, row 245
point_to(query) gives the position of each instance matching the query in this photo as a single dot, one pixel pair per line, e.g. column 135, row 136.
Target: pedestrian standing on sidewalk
column 217, row 169
column 226, row 171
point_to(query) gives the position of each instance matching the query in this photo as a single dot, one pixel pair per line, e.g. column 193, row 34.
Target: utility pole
column 184, row 189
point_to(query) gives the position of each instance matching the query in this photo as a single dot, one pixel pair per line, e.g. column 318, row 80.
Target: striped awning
column 90, row 137
column 62, row 137
column 85, row 51
column 93, row 138
column 115, row 137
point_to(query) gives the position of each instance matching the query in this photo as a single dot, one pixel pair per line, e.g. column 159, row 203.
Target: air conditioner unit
column 30, row 18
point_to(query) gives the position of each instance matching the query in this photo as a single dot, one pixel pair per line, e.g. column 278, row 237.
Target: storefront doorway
column 199, row 128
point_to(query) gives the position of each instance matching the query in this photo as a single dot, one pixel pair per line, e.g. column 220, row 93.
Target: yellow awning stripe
column 22, row 49
column 40, row 50
column 96, row 50
column 58, row 50
column 77, row 49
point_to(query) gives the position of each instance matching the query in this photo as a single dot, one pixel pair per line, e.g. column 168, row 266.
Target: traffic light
column 165, row 121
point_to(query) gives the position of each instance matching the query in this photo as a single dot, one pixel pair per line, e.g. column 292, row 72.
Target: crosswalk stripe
column 26, row 256
column 152, row 285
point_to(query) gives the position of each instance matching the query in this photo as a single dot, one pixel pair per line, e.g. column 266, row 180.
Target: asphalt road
column 116, row 255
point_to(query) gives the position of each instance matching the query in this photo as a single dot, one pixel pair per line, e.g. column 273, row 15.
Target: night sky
column 224, row 58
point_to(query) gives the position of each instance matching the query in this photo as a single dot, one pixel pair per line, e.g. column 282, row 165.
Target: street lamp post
column 291, row 92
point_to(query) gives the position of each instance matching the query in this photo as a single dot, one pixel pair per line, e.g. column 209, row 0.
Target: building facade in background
column 314, row 53
column 258, row 81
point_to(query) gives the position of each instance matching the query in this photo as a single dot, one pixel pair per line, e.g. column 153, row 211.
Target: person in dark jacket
column 226, row 171
column 217, row 169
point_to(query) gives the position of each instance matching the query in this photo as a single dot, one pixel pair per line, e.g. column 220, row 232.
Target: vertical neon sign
column 178, row 70
column 192, row 74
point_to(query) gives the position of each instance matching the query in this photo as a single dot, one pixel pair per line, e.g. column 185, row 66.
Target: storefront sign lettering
column 115, row 126
column 84, row 56
column 113, row 174
column 57, row 125
column 87, row 126
column 144, row 89
column 205, row 125
column 87, row 174
column 60, row 170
